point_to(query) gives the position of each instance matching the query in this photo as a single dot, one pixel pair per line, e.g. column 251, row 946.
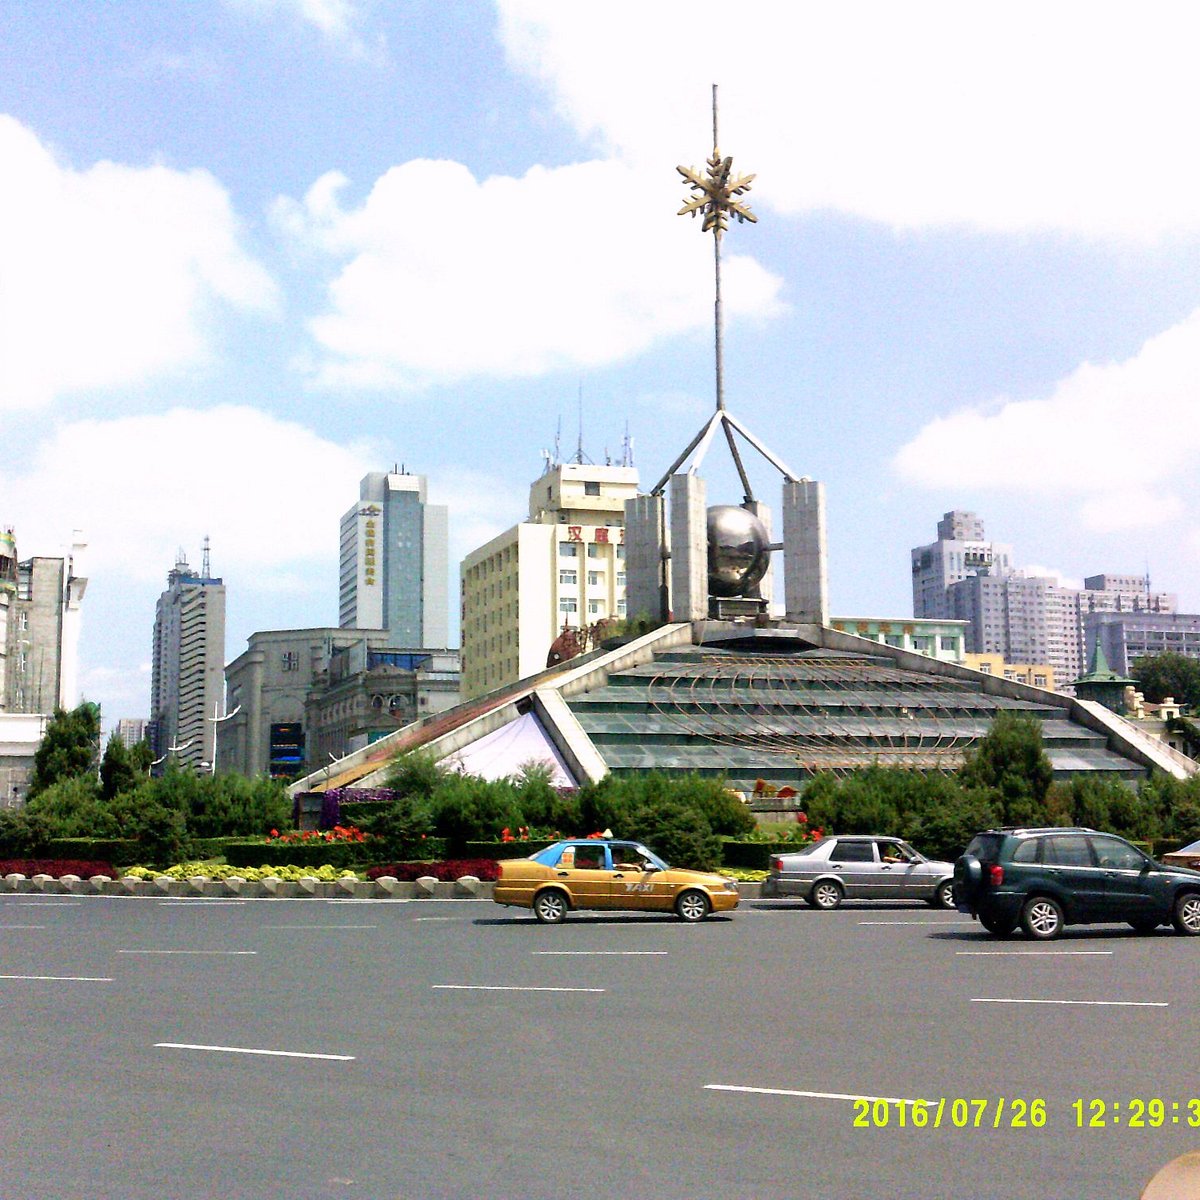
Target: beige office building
column 563, row 567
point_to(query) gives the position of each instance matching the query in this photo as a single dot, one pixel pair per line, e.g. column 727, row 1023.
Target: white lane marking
column 62, row 978
column 45, row 903
column 24, row 926
column 251, row 1050
column 200, row 903
column 187, row 951
column 600, row 952
column 926, row 922
column 1038, row 953
column 761, row 1091
column 492, row 987
column 436, row 918
column 261, row 927
column 1095, row 1003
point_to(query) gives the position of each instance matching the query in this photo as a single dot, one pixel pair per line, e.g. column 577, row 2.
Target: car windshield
column 1191, row 848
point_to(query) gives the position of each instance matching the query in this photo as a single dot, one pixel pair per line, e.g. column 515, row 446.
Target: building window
column 568, row 578
column 949, row 643
column 620, row 608
column 1039, row 681
column 568, row 604
column 567, row 549
column 595, row 578
column 620, row 579
column 596, row 608
column 22, row 621
column 595, row 550
column 290, row 660
column 591, row 489
column 620, row 551
column 985, row 668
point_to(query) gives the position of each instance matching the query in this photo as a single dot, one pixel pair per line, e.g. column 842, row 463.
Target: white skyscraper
column 188, row 671
column 394, row 562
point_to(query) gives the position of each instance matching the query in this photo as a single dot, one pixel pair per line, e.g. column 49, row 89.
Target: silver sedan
column 860, row 867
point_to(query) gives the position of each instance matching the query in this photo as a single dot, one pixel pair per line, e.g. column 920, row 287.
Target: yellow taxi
column 602, row 873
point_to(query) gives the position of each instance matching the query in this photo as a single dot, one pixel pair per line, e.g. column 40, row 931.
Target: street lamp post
column 216, row 722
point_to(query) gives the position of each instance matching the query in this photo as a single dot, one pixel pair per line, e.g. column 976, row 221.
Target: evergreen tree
column 1010, row 764
column 69, row 748
column 1170, row 675
column 117, row 771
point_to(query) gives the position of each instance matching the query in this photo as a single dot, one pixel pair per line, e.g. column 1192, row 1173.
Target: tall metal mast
column 715, row 196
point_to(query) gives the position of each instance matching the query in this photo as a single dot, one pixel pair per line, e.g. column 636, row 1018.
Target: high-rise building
column 1127, row 636
column 188, row 669
column 960, row 552
column 394, row 562
column 40, row 616
column 564, row 567
column 1025, row 618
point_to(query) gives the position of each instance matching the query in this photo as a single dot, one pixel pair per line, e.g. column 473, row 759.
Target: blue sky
column 252, row 249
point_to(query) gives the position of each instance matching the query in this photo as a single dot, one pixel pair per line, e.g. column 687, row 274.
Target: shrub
column 58, row 867
column 465, row 809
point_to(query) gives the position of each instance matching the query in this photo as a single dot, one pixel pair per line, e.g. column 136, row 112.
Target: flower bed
column 449, row 870
column 57, row 867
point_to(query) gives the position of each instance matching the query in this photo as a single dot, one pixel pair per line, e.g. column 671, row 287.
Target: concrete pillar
column 766, row 587
column 689, row 548
column 644, row 558
column 805, row 573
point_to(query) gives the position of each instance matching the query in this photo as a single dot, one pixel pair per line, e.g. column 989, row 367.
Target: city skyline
column 251, row 250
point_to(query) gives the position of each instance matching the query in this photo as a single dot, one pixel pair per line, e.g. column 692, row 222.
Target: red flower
column 802, row 817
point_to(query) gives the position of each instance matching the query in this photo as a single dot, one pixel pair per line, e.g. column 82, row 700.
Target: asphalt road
column 456, row 1049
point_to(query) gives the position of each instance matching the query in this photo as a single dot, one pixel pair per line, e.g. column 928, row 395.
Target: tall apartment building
column 40, row 615
column 394, row 561
column 1128, row 635
column 1024, row 618
column 961, row 551
column 188, row 669
column 564, row 566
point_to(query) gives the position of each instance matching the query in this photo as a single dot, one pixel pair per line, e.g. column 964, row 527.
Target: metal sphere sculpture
column 737, row 551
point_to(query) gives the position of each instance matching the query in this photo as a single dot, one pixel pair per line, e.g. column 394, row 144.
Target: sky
column 253, row 249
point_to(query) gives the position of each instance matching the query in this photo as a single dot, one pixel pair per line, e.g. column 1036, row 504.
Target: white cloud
column 1016, row 116
column 1123, row 437
column 448, row 277
column 109, row 276
column 340, row 21
column 269, row 493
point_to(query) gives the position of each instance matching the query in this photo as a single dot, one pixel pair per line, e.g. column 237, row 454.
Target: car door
column 584, row 871
column 893, row 863
column 632, row 884
column 854, row 863
column 1070, row 870
column 1129, row 891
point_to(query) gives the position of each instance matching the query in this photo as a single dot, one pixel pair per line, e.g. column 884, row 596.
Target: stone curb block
column 466, row 885
column 425, row 886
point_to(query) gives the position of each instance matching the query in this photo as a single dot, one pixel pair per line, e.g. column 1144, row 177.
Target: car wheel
column 1042, row 918
column 826, row 894
column 691, row 906
column 1144, row 925
column 944, row 896
column 999, row 926
column 1185, row 916
column 550, row 906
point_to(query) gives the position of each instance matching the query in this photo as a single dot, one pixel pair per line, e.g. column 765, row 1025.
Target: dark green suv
column 1047, row 878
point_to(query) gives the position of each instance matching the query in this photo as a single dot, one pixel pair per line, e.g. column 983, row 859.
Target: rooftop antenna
column 558, row 442
column 206, row 566
column 715, row 197
column 627, row 448
column 579, row 443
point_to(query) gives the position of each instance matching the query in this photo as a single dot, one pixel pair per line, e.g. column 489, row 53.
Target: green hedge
column 121, row 852
column 755, row 856
column 498, row 850
column 296, row 854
